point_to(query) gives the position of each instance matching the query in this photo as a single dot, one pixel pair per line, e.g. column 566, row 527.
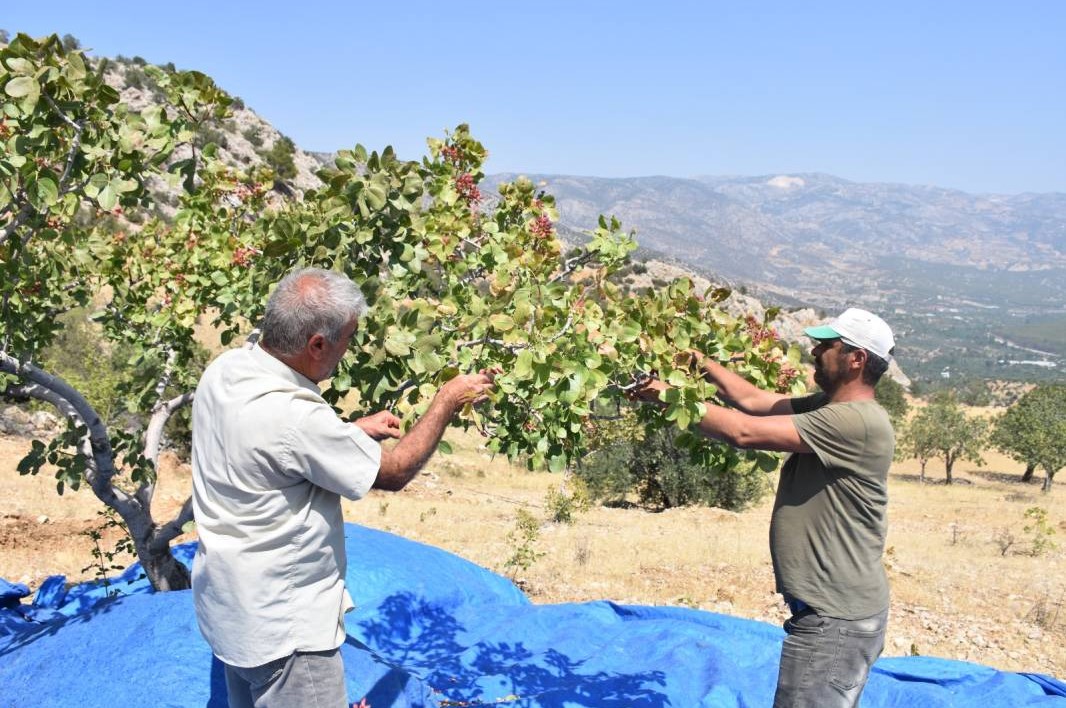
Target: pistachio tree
column 73, row 157
column 458, row 280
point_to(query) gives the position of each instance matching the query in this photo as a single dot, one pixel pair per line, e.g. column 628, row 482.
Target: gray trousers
column 305, row 679
column 825, row 661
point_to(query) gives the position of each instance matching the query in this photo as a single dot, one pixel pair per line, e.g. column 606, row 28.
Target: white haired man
column 271, row 461
column 827, row 532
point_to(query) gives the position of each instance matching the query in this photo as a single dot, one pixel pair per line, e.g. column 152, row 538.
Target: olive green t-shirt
column 828, row 529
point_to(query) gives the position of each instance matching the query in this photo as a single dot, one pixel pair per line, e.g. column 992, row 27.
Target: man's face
column 333, row 353
column 830, row 363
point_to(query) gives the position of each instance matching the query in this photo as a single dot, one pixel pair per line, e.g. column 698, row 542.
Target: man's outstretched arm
column 736, row 390
column 739, row 429
column 400, row 464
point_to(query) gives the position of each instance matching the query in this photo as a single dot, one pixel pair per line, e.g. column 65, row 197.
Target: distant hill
column 970, row 281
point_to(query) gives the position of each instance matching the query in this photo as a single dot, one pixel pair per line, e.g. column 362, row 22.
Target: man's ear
column 863, row 355
column 316, row 344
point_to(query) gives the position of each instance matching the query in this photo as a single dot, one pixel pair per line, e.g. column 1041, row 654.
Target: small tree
column 943, row 430
column 917, row 442
column 1033, row 432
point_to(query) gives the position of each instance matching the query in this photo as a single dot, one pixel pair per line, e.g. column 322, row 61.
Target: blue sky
column 970, row 95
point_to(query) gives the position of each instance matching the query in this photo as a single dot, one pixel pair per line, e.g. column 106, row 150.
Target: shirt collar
column 279, row 368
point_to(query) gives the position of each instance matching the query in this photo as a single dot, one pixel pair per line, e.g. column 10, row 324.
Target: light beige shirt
column 270, row 461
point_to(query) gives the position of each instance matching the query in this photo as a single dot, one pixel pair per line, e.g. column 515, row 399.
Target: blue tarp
column 432, row 629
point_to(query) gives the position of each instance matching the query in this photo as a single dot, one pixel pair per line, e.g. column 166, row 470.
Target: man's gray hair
column 308, row 302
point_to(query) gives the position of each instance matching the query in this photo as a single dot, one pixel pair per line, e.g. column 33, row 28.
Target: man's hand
column 380, row 425
column 469, row 388
column 648, row 391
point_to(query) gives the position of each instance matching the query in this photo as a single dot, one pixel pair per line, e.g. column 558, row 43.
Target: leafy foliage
column 1033, row 431
column 281, row 158
column 523, row 539
column 1040, row 531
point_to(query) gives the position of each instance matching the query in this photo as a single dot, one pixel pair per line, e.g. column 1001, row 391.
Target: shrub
column 252, row 136
column 280, row 158
column 562, row 507
column 523, row 539
column 661, row 474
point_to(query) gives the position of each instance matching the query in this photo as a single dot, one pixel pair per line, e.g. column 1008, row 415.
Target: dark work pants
column 302, row 680
column 825, row 661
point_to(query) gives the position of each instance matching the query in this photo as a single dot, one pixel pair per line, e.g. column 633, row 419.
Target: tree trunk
column 1049, row 476
column 164, row 571
column 949, row 462
column 1029, row 469
column 921, row 470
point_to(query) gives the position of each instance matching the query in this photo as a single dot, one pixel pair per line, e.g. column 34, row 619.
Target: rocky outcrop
column 22, row 422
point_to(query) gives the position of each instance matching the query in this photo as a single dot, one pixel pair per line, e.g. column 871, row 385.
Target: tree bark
column 1030, row 468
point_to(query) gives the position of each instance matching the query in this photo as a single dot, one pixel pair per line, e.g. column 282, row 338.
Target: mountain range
column 975, row 284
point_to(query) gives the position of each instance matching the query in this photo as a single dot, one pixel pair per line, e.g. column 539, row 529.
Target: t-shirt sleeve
column 805, row 404
column 331, row 453
column 836, row 434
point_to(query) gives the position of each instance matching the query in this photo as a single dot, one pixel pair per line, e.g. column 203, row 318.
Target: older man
column 271, row 461
column 827, row 532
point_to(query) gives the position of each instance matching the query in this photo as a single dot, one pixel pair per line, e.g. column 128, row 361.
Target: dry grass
column 955, row 594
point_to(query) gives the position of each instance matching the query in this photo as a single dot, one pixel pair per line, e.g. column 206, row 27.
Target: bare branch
column 59, row 112
column 571, row 265
column 565, row 328
column 18, row 221
column 164, row 381
column 513, row 348
column 153, row 437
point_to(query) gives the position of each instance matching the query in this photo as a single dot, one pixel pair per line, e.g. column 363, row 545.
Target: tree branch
column 572, row 265
column 53, row 389
column 172, row 529
column 153, row 437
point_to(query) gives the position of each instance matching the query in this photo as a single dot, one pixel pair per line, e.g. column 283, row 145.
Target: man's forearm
column 738, row 391
column 401, row 463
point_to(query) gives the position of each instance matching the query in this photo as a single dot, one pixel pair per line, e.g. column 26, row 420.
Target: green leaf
column 501, row 322
column 445, row 447
column 342, row 382
column 768, row 463
column 45, row 192
column 557, row 463
column 396, row 347
column 523, row 364
column 107, row 199
column 22, row 86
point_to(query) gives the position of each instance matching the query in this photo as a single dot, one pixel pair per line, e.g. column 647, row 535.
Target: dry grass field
column 956, row 594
